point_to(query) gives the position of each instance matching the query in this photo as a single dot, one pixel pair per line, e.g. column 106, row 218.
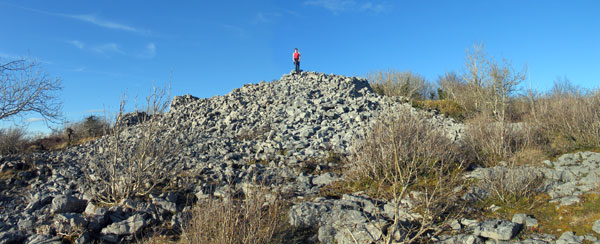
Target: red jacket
column 296, row 56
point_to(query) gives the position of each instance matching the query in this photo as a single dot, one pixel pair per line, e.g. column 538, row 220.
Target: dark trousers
column 297, row 63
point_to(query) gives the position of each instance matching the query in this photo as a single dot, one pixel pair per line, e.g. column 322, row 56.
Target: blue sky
column 103, row 49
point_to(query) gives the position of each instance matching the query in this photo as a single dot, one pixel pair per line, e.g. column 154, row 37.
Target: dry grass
column 512, row 183
column 492, row 141
column 256, row 219
column 571, row 121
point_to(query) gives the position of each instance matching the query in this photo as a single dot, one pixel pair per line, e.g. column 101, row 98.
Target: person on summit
column 297, row 60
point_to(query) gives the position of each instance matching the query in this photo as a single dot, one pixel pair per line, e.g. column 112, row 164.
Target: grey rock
column 12, row 237
column 73, row 219
column 326, row 234
column 43, row 239
column 596, row 226
column 590, row 238
column 462, row 239
column 37, row 203
column 497, row 229
column 307, row 214
column 324, row 179
column 129, row 226
column 525, row 220
column 455, row 225
column 110, row 238
column 26, row 223
column 169, row 202
column 92, row 209
column 67, row 204
column 569, row 237
column 361, row 233
column 84, row 238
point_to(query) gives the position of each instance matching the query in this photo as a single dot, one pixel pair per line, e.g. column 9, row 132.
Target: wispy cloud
column 376, row 8
column 93, row 19
column 339, row 6
column 266, row 17
column 235, row 29
column 77, row 44
column 107, row 49
column 94, row 111
column 90, row 18
column 32, row 120
column 149, row 51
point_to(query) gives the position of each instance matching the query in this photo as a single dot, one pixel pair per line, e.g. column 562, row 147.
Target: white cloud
column 32, row 120
column 149, row 51
column 236, row 29
column 338, row 6
column 108, row 48
column 373, row 7
column 104, row 23
column 93, row 111
column 77, row 44
column 90, row 18
column 263, row 17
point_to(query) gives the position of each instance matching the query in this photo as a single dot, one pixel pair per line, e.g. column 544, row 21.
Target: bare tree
column 486, row 86
column 24, row 88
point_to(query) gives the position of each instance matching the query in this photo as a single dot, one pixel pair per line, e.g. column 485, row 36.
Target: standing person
column 297, row 60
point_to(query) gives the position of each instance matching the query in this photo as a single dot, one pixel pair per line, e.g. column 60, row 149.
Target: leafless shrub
column 132, row 161
column 510, row 184
column 490, row 141
column 255, row 219
column 395, row 83
column 12, row 140
column 408, row 154
column 569, row 117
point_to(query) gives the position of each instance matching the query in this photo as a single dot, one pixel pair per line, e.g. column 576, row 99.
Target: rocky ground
column 284, row 135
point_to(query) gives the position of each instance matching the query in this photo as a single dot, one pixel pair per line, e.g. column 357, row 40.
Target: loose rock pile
column 280, row 134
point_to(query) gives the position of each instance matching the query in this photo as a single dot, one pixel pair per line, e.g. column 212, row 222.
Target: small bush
column 12, row 140
column 405, row 153
column 405, row 84
column 255, row 219
column 133, row 166
column 490, row 141
column 509, row 184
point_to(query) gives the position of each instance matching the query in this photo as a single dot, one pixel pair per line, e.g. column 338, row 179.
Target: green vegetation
column 448, row 108
column 553, row 219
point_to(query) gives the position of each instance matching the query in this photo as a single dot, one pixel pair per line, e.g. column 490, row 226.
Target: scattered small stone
column 569, row 237
column 68, row 204
column 525, row 220
column 596, row 226
column 497, row 229
column 127, row 227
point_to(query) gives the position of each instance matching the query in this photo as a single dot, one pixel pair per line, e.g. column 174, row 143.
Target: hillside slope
column 282, row 135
